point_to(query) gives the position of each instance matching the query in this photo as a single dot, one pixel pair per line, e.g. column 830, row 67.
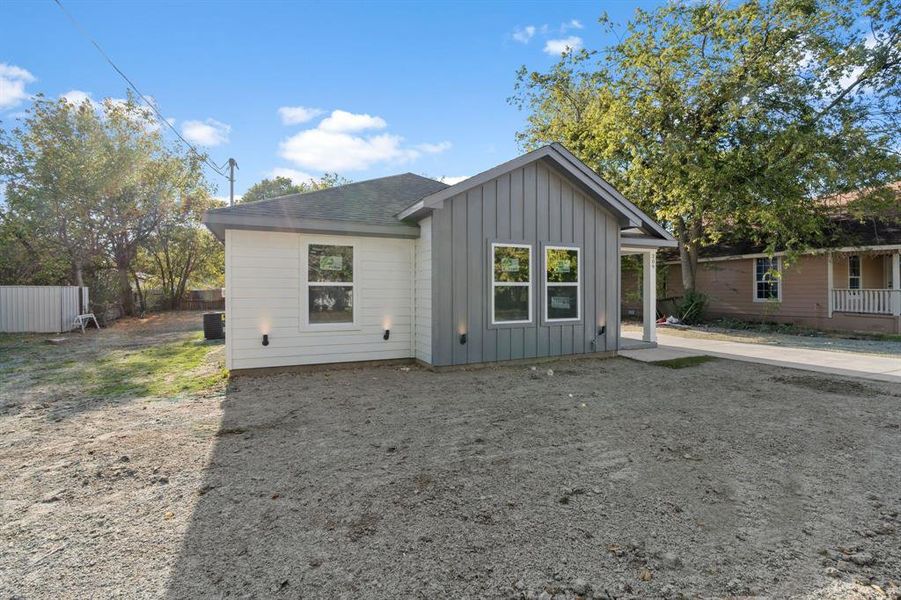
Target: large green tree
column 730, row 119
column 179, row 254
column 283, row 186
column 95, row 182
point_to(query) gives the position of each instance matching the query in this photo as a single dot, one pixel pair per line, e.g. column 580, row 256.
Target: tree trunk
column 688, row 256
column 141, row 300
column 125, row 295
column 78, row 271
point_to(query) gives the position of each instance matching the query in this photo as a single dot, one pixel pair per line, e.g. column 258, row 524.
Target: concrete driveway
column 674, row 344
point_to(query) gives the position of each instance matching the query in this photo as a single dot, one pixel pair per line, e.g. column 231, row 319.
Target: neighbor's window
column 562, row 285
column 766, row 279
column 330, row 284
column 854, row 272
column 511, row 289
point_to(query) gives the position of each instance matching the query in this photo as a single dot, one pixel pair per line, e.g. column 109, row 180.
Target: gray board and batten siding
column 535, row 204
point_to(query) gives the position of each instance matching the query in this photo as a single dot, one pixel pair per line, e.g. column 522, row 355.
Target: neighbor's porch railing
column 873, row 302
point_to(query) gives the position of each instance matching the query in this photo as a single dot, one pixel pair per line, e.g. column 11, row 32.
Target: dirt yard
column 606, row 479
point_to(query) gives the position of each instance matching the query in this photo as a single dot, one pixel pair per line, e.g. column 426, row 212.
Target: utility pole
column 232, row 165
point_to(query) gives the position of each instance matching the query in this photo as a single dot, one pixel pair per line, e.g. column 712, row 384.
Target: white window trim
column 527, row 284
column 859, row 276
column 780, row 281
column 305, row 324
column 577, row 284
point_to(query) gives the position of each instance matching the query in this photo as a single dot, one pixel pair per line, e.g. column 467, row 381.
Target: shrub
column 691, row 308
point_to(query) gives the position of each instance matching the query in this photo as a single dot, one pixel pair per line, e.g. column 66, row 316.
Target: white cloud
column 434, row 148
column 293, row 115
column 572, row 24
column 77, row 97
column 332, row 151
column 453, row 180
column 224, row 199
column 524, row 34
column 555, row 47
column 346, row 122
column 206, row 133
column 13, row 80
column 293, row 174
column 341, row 143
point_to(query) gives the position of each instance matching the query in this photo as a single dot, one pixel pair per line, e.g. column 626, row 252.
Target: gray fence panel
column 40, row 308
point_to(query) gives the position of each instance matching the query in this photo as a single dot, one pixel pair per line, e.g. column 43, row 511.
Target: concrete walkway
column 868, row 366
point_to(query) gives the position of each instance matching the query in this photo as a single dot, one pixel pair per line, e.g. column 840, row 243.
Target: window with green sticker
column 562, row 284
column 330, row 284
column 511, row 285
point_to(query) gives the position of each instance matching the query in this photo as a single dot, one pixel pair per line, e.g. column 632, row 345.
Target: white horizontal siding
column 265, row 286
column 423, row 291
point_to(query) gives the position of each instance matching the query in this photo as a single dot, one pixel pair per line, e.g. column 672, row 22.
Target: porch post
column 649, row 295
column 830, row 301
column 896, row 284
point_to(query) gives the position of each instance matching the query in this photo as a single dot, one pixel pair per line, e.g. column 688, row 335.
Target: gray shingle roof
column 375, row 201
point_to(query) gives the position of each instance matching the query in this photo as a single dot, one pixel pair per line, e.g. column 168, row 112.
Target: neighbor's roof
column 374, row 203
column 842, row 232
column 836, row 203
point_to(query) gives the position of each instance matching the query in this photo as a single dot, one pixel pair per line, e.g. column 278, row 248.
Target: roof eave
column 645, row 243
column 218, row 223
column 642, row 217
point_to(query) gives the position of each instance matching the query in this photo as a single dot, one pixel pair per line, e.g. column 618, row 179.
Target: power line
column 152, row 105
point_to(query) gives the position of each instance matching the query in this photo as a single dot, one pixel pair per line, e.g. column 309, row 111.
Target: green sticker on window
column 509, row 265
column 562, row 302
column 331, row 263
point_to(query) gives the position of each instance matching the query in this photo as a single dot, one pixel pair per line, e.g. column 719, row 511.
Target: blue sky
column 418, row 87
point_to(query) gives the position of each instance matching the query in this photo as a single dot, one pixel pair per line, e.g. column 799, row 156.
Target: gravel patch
column 580, row 479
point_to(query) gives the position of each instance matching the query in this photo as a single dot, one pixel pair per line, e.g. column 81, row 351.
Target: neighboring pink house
column 854, row 286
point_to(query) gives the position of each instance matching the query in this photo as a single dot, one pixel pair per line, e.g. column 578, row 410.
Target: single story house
column 520, row 261
column 851, row 284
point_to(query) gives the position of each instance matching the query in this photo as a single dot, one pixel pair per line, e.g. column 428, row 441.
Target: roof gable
column 593, row 184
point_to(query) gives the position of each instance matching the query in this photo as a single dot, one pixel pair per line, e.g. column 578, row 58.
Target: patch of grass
column 830, row 385
column 683, row 362
column 155, row 371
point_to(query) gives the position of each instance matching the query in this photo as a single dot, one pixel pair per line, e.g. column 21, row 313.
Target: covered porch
column 633, row 243
column 864, row 281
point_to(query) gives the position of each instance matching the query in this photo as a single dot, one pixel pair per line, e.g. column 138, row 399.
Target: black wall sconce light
column 462, row 338
column 265, row 339
column 602, row 330
column 387, row 335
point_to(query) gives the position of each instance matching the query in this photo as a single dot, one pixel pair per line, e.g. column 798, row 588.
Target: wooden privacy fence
column 211, row 299
column 41, row 308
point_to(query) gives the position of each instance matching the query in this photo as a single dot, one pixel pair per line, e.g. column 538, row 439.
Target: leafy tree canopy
column 283, row 186
column 730, row 119
column 92, row 184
